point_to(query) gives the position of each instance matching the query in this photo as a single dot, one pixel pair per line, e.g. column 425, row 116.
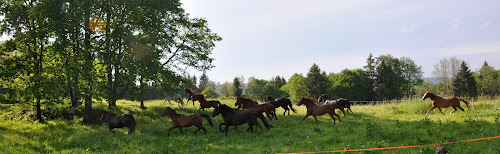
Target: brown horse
column 316, row 110
column 207, row 104
column 441, row 102
column 189, row 94
column 179, row 121
column 252, row 104
column 197, row 97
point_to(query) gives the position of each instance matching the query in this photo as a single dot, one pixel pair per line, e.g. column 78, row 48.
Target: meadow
column 370, row 126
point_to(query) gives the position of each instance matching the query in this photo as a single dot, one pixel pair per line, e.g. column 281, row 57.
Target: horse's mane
column 248, row 99
column 107, row 112
column 310, row 99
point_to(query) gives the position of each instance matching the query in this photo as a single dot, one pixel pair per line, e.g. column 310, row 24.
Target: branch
column 175, row 53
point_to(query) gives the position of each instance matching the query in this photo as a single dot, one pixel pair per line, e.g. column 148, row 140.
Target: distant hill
column 433, row 80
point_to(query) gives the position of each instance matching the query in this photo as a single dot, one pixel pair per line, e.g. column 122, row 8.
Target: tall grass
column 370, row 126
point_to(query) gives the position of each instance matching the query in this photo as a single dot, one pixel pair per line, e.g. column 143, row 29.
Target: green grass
column 371, row 126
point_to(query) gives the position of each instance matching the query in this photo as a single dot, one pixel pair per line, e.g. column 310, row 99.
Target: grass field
column 371, row 126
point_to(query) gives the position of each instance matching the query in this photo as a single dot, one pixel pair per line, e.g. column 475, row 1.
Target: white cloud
column 455, row 24
column 470, row 49
column 484, row 26
column 407, row 29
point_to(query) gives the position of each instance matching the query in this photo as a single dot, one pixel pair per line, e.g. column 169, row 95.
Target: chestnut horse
column 446, row 102
column 197, row 97
column 189, row 94
column 252, row 104
column 316, row 110
column 206, row 104
column 179, row 121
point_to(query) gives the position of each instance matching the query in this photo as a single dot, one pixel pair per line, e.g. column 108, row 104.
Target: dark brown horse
column 179, row 121
column 317, row 110
column 119, row 121
column 207, row 104
column 280, row 102
column 441, row 102
column 232, row 118
column 197, row 97
column 269, row 109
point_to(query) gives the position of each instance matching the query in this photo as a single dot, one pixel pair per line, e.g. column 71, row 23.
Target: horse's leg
column 315, row 119
column 270, row 117
column 168, row 133
column 180, row 128
column 220, row 126
column 440, row 110
column 350, row 109
column 430, row 110
column 307, row 115
column 336, row 115
column 226, row 129
column 461, row 108
column 236, row 127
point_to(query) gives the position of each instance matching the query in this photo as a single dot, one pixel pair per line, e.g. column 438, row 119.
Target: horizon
column 280, row 39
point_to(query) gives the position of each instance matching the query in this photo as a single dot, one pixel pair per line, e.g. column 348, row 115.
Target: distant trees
column 316, row 82
column 488, row 80
column 237, row 83
column 349, row 84
column 445, row 70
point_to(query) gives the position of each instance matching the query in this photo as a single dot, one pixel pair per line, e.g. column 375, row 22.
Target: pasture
column 370, row 126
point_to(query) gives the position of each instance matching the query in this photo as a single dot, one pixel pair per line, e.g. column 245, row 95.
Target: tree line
column 98, row 49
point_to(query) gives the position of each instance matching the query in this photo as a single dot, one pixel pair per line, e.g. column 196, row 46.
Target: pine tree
column 316, row 81
column 237, row 86
column 370, row 76
column 464, row 83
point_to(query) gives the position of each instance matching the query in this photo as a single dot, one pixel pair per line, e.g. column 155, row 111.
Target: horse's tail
column 341, row 109
column 263, row 119
column 208, row 119
column 466, row 103
column 290, row 105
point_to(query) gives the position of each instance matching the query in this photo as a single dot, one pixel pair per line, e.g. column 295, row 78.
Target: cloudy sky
column 263, row 38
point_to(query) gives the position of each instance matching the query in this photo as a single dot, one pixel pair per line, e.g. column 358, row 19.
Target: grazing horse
column 179, row 121
column 207, row 104
column 119, row 121
column 280, row 102
column 441, row 102
column 177, row 98
column 232, row 118
column 323, row 99
column 269, row 109
column 317, row 110
column 189, row 94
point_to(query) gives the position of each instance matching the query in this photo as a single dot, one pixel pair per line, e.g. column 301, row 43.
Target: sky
column 263, row 38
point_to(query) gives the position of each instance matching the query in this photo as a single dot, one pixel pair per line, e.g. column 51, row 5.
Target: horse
column 207, row 104
column 269, row 109
column 197, row 97
column 179, row 121
column 446, row 102
column 241, row 106
column 189, row 94
column 280, row 102
column 232, row 118
column 119, row 121
column 323, row 98
column 177, row 98
column 317, row 110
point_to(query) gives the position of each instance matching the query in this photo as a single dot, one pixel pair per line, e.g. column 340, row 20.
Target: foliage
column 316, row 82
column 464, row 83
column 255, row 88
column 488, row 80
column 209, row 92
column 295, row 87
column 445, row 70
column 349, row 84
column 237, row 83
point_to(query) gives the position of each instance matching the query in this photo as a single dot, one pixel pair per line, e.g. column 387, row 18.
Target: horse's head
column 306, row 100
column 216, row 111
column 426, row 95
column 106, row 115
column 167, row 111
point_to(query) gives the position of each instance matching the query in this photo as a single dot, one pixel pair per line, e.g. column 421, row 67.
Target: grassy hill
column 371, row 126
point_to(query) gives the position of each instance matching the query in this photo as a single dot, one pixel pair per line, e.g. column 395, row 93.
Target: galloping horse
column 177, row 98
column 323, row 98
column 206, row 104
column 179, row 121
column 252, row 104
column 189, row 94
column 441, row 102
column 197, row 97
column 232, row 118
column 280, row 102
column 315, row 109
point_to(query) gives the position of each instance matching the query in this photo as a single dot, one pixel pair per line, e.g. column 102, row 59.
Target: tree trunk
column 141, row 91
column 88, row 118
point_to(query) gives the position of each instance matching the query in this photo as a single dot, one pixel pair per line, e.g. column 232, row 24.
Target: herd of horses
column 252, row 111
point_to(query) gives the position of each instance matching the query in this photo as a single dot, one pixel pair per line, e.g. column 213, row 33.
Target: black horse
column 231, row 118
column 323, row 98
column 280, row 102
column 119, row 121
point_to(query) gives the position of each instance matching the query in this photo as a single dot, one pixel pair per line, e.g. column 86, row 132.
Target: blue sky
column 264, row 38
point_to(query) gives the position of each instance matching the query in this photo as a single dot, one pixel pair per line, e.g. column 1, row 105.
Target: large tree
column 488, row 80
column 296, row 87
column 464, row 83
column 237, row 83
column 389, row 77
column 445, row 70
column 349, row 84
column 316, row 81
column 370, row 76
column 411, row 73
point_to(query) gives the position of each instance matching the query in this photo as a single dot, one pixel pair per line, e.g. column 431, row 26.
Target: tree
column 445, row 70
column 370, row 76
column 255, row 88
column 349, row 84
column 411, row 73
column 228, row 89
column 278, row 81
column 295, row 87
column 464, row 83
column 237, row 86
column 488, row 80
column 203, row 81
column 389, row 78
column 316, row 81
